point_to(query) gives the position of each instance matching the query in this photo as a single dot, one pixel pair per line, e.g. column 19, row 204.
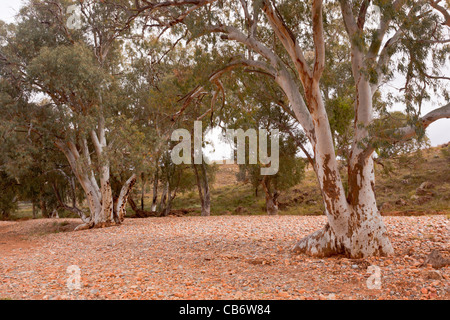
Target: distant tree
column 78, row 70
column 8, row 195
column 291, row 166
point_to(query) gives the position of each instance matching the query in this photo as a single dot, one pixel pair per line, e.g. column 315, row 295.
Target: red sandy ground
column 223, row 257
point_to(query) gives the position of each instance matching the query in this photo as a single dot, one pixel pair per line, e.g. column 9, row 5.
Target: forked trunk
column 354, row 227
column 104, row 211
column 357, row 232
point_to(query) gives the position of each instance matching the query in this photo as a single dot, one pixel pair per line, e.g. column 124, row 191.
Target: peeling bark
column 355, row 227
column 104, row 211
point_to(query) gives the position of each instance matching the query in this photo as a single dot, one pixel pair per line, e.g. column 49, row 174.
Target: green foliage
column 8, row 195
column 58, row 84
column 71, row 73
column 258, row 97
column 388, row 145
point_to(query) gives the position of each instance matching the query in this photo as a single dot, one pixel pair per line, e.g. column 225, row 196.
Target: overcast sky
column 438, row 132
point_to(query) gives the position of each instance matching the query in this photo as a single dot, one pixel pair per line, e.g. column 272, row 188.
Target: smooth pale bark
column 355, row 227
column 88, row 184
column 106, row 214
column 99, row 199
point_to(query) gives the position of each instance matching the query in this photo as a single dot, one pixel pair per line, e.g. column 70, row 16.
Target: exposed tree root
column 324, row 243
column 321, row 243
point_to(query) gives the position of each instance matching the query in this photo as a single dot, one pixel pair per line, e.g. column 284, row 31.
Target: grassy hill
column 417, row 183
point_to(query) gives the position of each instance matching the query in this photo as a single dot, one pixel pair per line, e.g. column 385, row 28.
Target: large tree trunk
column 354, row 227
column 356, row 232
column 106, row 214
column 104, row 211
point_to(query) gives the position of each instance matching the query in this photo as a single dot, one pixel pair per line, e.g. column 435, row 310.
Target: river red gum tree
column 355, row 227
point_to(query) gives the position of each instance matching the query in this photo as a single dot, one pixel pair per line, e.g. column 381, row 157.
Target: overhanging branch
column 407, row 132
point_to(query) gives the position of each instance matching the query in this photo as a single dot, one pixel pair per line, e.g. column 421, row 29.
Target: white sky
column 438, row 132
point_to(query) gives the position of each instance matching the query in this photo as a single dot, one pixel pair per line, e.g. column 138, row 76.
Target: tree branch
column 440, row 113
column 407, row 132
column 445, row 13
column 319, row 44
column 362, row 14
column 289, row 41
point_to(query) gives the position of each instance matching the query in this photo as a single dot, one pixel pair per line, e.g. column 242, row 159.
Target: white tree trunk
column 123, row 198
column 105, row 217
column 364, row 233
column 100, row 200
column 355, row 227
